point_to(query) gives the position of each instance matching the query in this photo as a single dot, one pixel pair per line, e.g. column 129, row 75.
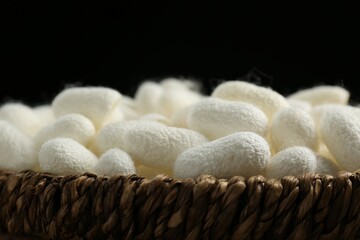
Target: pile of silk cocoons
column 169, row 127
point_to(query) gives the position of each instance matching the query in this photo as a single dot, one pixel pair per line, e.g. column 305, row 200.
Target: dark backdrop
column 48, row 45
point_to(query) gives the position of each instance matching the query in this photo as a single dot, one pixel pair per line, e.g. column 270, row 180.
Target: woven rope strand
column 131, row 207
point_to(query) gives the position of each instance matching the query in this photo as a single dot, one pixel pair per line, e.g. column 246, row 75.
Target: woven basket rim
column 133, row 207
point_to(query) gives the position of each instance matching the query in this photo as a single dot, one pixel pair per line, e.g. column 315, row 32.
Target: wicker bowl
column 43, row 206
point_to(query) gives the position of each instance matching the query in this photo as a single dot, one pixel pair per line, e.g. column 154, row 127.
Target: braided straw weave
column 131, row 207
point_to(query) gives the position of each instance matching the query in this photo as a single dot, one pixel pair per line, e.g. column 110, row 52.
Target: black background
column 48, row 45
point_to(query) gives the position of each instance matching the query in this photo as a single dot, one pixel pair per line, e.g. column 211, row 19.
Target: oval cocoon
column 217, row 118
column 95, row 103
column 319, row 111
column 128, row 109
column 265, row 99
column 172, row 100
column 45, row 114
column 65, row 156
column 303, row 105
column 322, row 95
column 156, row 117
column 340, row 130
column 174, row 83
column 240, row 154
column 293, row 127
column 112, row 135
column 157, row 146
column 293, row 161
column 115, row 116
column 74, row 126
column 179, row 118
column 17, row 151
column 115, row 162
column 22, row 117
column 147, row 96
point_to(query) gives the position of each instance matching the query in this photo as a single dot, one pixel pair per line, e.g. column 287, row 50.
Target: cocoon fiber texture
column 240, row 154
column 75, row 126
column 265, row 99
column 65, row 156
column 293, row 161
column 217, row 118
column 112, row 135
column 157, row 146
column 322, row 95
column 95, row 103
column 293, row 127
column 319, row 111
column 340, row 130
column 115, row 162
column 20, row 116
column 17, row 151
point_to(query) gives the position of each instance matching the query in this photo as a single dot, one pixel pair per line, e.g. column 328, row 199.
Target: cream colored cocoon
column 293, row 161
column 95, row 103
column 319, row 111
column 240, row 154
column 178, row 94
column 266, row 99
column 303, row 105
column 179, row 118
column 115, row 116
column 45, row 114
column 112, row 135
column 176, row 83
column 128, row 108
column 156, row 117
column 128, row 102
column 22, row 117
column 216, row 118
column 293, row 127
column 129, row 113
column 157, row 146
column 174, row 99
column 322, row 95
column 74, row 126
column 147, row 97
column 340, row 130
column 165, row 98
column 115, row 162
column 17, row 151
column 65, row 156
